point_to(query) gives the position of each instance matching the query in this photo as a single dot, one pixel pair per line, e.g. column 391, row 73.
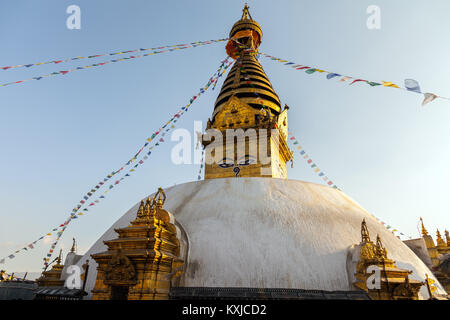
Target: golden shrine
column 142, row 261
column 439, row 255
column 52, row 278
column 394, row 283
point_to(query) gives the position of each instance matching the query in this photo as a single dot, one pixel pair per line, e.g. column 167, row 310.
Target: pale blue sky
column 61, row 135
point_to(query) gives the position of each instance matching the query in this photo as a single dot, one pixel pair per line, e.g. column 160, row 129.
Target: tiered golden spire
column 58, row 261
column 424, row 231
column 247, row 79
column 247, row 103
column 365, row 236
column 439, row 241
column 73, row 249
column 447, row 237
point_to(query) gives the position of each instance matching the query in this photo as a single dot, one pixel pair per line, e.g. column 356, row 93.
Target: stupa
column 246, row 231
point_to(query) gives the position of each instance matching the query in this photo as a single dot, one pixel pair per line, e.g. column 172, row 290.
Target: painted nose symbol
column 236, row 171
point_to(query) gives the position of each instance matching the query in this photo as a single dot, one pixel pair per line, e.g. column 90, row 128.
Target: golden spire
column 58, row 261
column 140, row 212
column 447, row 237
column 365, row 237
column 439, row 241
column 73, row 245
column 424, row 231
column 148, row 208
column 381, row 251
column 160, row 198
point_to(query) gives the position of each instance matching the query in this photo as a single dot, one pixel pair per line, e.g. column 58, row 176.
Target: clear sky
column 61, row 135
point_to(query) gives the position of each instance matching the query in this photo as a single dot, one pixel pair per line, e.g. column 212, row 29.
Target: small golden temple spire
column 365, row 237
column 58, row 261
column 160, row 198
column 424, row 231
column 447, row 237
column 73, row 245
column 439, row 241
column 148, row 208
column 381, row 251
column 140, row 212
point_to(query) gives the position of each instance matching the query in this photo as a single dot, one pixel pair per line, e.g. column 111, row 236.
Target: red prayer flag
column 356, row 81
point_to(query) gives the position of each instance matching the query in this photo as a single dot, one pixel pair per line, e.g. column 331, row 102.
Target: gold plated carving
column 394, row 282
column 52, row 278
column 142, row 261
column 438, row 256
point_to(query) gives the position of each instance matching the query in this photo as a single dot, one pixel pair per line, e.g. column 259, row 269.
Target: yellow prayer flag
column 149, row 139
column 316, row 170
column 389, row 84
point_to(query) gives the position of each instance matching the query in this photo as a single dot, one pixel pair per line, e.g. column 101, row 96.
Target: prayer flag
column 332, row 75
column 412, row 85
column 428, row 98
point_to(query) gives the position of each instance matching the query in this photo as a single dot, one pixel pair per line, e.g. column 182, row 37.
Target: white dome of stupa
column 269, row 233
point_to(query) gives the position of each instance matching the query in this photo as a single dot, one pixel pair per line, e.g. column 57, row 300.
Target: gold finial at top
column 365, row 237
column 160, row 198
column 246, row 13
column 141, row 209
column 424, row 231
column 73, row 245
column 439, row 240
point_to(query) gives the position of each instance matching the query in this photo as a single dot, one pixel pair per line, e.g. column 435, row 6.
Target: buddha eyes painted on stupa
column 247, row 160
column 226, row 163
column 243, row 161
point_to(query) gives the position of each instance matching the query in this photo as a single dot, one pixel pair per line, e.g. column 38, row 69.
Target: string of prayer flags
column 410, row 84
column 311, row 163
column 64, row 72
column 174, row 47
column 225, row 64
column 201, row 166
column 30, row 246
column 323, row 176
